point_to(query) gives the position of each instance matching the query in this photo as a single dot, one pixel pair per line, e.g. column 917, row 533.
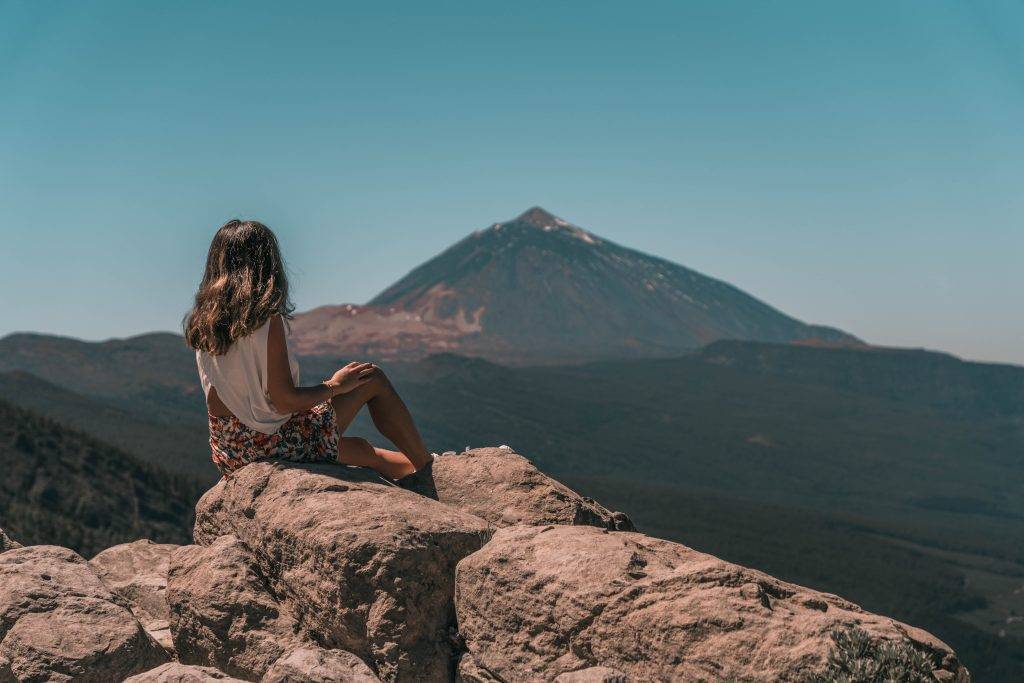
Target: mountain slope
column 539, row 289
column 176, row 447
column 926, row 378
column 62, row 487
column 722, row 429
column 152, row 374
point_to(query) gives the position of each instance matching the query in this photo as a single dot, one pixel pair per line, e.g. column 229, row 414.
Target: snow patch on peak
column 581, row 234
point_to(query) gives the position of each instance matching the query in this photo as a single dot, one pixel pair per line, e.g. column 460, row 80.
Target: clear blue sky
column 858, row 164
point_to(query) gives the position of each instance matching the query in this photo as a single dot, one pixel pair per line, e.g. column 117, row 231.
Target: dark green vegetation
column 174, row 446
column 893, row 478
column 926, row 379
column 62, row 487
column 855, row 658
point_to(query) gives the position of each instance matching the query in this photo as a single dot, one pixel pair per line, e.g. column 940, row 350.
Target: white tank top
column 240, row 377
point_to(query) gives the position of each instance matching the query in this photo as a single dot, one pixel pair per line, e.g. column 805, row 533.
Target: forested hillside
column 65, row 488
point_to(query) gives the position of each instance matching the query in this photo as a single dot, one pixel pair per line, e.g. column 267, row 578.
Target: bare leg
column 356, row 451
column 389, row 415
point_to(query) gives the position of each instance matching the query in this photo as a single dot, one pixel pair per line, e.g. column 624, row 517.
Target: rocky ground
column 494, row 572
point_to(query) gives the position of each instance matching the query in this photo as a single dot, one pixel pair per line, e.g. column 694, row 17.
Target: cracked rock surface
column 176, row 672
column 366, row 567
column 544, row 602
column 504, row 488
column 59, row 622
column 137, row 572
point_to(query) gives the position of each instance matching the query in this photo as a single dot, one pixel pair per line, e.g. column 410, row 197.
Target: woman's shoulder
column 277, row 324
column 277, row 330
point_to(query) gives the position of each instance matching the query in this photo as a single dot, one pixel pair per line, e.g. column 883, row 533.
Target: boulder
column 542, row 602
column 593, row 674
column 470, row 671
column 176, row 672
column 138, row 573
column 59, row 622
column 361, row 565
column 316, row 665
column 505, row 488
column 222, row 613
column 7, row 543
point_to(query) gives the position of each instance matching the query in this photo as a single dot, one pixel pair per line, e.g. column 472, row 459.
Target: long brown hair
column 243, row 285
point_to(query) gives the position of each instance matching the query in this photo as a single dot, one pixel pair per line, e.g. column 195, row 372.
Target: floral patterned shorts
column 309, row 436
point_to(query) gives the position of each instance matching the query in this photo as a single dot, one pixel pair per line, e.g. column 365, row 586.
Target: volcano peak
column 539, row 217
column 537, row 288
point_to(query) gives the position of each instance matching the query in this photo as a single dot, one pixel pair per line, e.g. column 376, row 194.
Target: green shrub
column 856, row 658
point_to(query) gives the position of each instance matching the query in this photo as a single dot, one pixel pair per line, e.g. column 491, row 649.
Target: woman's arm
column 289, row 398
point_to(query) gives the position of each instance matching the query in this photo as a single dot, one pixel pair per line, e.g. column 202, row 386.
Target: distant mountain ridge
column 930, row 379
column 152, row 373
column 538, row 288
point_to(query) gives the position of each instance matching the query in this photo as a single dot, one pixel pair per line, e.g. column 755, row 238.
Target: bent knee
column 379, row 379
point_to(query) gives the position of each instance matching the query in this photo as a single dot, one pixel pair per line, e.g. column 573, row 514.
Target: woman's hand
column 350, row 377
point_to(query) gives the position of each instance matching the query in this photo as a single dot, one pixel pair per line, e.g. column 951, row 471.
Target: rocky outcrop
column 137, row 572
column 59, row 622
column 223, row 614
column 538, row 603
column 504, row 488
column 7, row 543
column 325, row 573
column 315, row 665
column 593, row 674
column 176, row 672
column 363, row 566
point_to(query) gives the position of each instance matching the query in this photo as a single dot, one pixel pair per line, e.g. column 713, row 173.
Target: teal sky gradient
column 855, row 164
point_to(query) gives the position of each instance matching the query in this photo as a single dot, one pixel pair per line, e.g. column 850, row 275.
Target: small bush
column 856, row 658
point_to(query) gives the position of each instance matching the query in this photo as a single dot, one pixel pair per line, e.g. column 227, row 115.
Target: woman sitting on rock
column 239, row 330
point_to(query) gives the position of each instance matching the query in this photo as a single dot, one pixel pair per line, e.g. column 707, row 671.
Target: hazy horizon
column 852, row 166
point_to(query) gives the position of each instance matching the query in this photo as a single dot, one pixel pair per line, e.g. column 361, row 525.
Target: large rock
column 315, row 665
column 222, row 613
column 138, row 573
column 176, row 672
column 505, row 488
column 362, row 566
column 7, row 543
column 594, row 674
column 539, row 602
column 59, row 622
